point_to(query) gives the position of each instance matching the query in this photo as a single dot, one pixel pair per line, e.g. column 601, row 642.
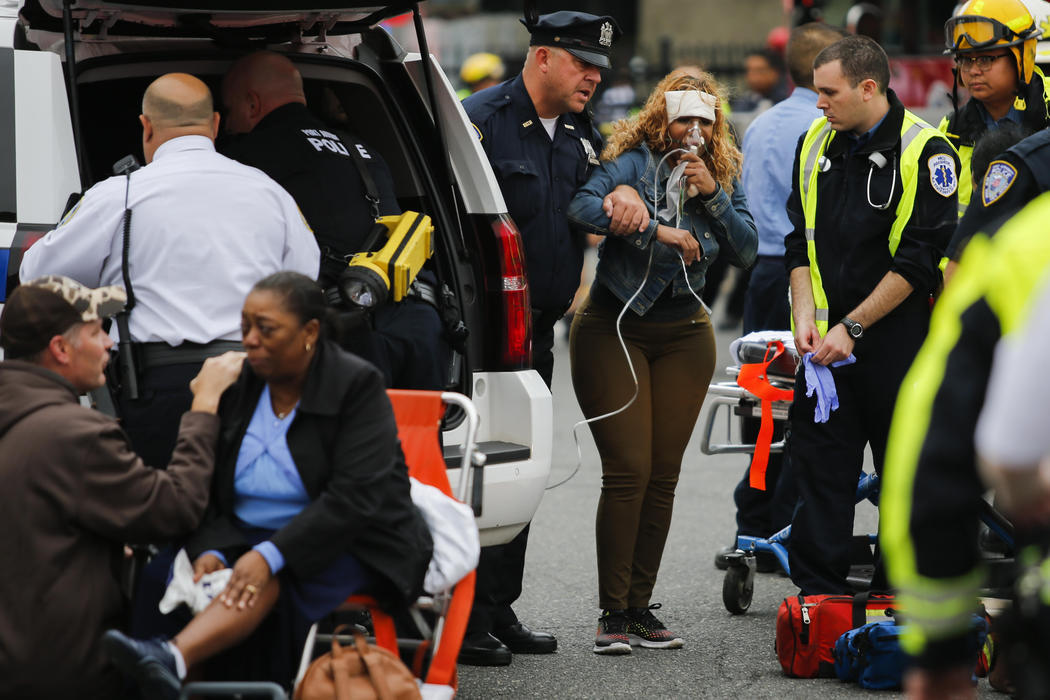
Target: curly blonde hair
column 722, row 157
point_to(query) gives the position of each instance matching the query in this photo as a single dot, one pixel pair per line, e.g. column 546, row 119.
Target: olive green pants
column 641, row 448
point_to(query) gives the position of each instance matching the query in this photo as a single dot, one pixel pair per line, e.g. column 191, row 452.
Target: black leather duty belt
column 161, row 354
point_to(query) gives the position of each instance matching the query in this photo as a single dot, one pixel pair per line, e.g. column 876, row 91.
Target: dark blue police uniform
column 316, row 164
column 1012, row 180
column 538, row 177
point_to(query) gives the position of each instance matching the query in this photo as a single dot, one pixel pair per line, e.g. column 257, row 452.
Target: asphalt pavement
column 725, row 656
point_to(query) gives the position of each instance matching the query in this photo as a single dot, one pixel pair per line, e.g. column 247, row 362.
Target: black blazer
column 344, row 443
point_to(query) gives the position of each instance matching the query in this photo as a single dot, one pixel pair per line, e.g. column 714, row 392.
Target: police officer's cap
column 587, row 37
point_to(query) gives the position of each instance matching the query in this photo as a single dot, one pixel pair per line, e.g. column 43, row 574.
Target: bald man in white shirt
column 204, row 229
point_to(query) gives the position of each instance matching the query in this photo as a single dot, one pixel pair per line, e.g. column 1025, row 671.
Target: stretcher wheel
column 738, row 587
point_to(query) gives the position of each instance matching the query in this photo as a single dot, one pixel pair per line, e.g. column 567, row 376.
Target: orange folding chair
column 418, row 415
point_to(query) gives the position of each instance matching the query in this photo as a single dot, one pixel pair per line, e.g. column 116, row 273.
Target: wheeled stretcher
column 754, row 356
column 764, row 379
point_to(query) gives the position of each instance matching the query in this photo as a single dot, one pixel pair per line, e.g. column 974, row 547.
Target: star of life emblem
column 605, row 38
column 942, row 174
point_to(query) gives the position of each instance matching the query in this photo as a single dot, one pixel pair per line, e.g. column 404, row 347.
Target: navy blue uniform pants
column 763, row 513
column 500, row 571
column 827, row 458
column 543, row 323
column 502, row 567
column 152, row 420
column 411, row 347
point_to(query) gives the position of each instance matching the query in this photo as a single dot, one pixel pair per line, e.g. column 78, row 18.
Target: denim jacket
column 720, row 223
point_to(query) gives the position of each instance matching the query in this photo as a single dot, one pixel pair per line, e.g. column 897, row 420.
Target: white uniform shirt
column 1012, row 431
column 204, row 229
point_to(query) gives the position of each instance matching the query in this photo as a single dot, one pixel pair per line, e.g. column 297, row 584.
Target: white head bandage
column 690, row 103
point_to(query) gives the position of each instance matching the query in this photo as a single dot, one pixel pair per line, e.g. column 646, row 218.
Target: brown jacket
column 71, row 493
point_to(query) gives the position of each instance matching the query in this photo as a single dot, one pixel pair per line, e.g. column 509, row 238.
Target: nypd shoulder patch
column 997, row 181
column 477, row 131
column 942, row 174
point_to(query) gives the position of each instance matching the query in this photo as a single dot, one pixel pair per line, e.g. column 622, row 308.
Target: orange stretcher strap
column 754, row 378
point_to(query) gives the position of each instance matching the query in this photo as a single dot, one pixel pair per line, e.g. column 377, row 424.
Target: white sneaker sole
column 614, row 649
column 676, row 643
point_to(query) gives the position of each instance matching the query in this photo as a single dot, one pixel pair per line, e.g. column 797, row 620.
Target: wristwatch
column 855, row 330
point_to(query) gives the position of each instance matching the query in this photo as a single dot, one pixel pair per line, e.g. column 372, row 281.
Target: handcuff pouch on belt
column 754, row 378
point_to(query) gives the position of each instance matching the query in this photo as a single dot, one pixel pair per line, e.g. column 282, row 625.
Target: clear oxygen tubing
column 627, row 305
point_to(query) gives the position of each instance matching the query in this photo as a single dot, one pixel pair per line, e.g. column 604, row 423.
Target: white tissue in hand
column 182, row 589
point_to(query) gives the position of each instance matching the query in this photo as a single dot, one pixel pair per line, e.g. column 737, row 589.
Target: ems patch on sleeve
column 942, row 174
column 997, row 181
column 476, row 130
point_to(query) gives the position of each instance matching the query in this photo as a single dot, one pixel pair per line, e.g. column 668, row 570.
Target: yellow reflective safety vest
column 1008, row 271
column 966, row 149
column 915, row 133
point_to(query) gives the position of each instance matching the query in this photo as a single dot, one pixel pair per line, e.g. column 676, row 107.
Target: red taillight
column 25, row 236
column 516, row 336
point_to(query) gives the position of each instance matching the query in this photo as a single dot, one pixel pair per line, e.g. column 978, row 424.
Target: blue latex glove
column 819, row 379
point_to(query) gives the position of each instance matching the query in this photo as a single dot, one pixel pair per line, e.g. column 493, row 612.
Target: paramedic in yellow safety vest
column 993, row 43
column 873, row 204
column 931, row 491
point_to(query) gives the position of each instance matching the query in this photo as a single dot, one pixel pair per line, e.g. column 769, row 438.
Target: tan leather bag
column 360, row 672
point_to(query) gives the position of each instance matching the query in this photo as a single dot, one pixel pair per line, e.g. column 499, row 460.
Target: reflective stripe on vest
column 914, row 135
column 1008, row 272
column 965, row 151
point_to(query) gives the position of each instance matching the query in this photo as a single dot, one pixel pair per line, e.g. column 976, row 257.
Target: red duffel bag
column 809, row 626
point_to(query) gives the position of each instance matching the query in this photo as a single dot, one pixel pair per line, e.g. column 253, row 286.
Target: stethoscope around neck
column 877, row 161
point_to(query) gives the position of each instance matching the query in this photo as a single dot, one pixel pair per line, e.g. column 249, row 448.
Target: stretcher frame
column 446, row 641
column 738, row 584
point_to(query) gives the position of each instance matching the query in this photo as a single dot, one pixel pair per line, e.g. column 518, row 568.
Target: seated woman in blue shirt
column 680, row 157
column 310, row 500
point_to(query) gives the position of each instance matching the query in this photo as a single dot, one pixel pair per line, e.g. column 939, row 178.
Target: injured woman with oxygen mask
column 310, row 503
column 641, row 346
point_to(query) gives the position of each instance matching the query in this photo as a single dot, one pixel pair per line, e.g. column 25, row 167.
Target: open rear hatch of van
column 274, row 20
column 241, row 23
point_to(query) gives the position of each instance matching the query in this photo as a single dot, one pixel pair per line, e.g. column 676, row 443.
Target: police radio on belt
column 129, row 380
column 372, row 277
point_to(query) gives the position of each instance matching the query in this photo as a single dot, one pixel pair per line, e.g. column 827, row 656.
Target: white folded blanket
column 761, row 337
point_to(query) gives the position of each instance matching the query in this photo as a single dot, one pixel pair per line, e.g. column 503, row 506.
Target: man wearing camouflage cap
column 75, row 492
column 542, row 146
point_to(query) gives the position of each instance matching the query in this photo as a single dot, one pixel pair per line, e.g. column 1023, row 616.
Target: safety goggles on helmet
column 982, row 32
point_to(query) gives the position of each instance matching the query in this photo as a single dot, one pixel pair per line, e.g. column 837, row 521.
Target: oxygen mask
column 694, row 140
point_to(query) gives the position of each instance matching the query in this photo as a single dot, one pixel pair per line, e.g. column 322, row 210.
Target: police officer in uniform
column 993, row 43
column 342, row 186
column 873, row 204
column 205, row 229
column 542, row 146
column 932, row 492
column 1011, row 181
